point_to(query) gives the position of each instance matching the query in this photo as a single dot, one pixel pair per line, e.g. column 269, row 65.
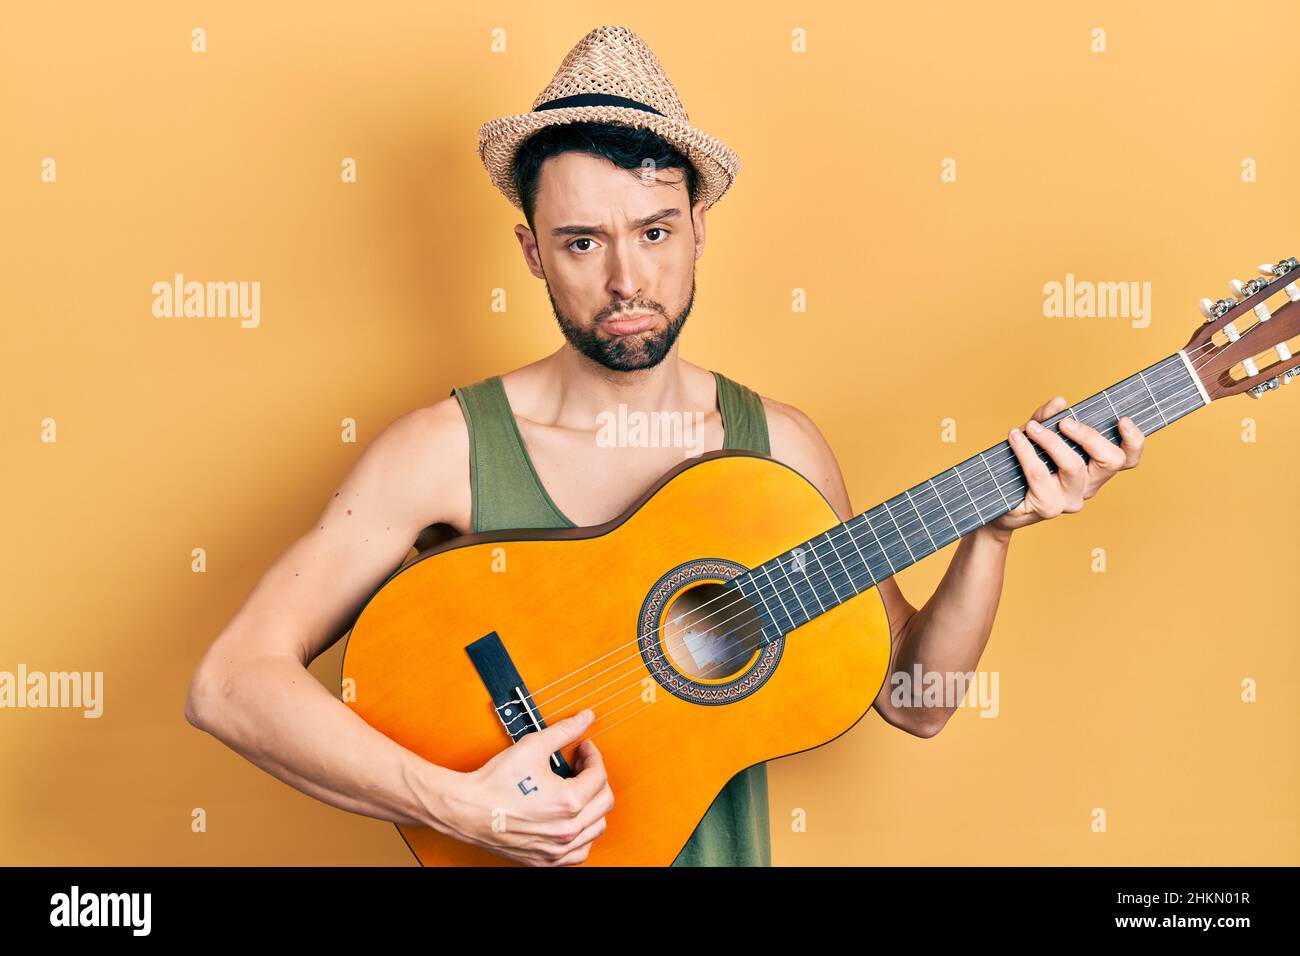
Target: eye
column 580, row 239
column 662, row 232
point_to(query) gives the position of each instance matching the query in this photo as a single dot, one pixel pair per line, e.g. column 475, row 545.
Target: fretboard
column 794, row 587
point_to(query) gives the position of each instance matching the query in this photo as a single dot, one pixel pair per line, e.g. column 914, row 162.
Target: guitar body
column 585, row 616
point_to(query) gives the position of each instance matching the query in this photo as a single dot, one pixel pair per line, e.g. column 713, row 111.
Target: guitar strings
column 831, row 578
column 750, row 651
column 745, row 606
column 841, row 530
column 746, row 651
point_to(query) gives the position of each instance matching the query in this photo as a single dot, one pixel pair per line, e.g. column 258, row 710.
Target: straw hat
column 611, row 76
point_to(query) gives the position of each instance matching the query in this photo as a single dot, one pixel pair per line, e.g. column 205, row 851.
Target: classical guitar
column 717, row 606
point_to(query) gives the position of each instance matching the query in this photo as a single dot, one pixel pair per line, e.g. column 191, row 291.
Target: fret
column 847, row 574
column 957, row 471
column 866, row 516
column 900, row 532
column 889, row 530
column 912, row 525
column 942, row 504
column 1153, row 398
column 861, row 520
column 802, row 565
column 920, row 518
column 933, row 514
column 777, row 594
column 996, row 483
column 1106, row 395
column 740, row 582
column 818, row 559
column 861, row 557
column 955, row 505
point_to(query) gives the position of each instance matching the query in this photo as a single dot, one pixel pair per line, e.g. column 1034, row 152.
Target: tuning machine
column 1281, row 268
column 1215, row 310
column 1276, row 381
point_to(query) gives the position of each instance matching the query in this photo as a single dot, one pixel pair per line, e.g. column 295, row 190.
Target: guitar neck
column 849, row 558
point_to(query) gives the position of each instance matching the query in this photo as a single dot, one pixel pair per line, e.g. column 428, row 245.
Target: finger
column 561, row 733
column 566, row 829
column 1071, row 468
column 1043, row 486
column 1132, row 441
column 1043, row 496
column 590, row 778
column 1101, row 450
column 1050, row 408
column 584, row 832
column 1033, row 466
column 588, row 756
column 577, row 856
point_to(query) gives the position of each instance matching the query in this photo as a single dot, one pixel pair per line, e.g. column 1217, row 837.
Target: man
column 614, row 185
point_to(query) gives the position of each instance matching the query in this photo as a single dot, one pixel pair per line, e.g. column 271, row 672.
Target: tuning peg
column 1212, row 310
column 1244, row 290
column 1259, row 390
column 1281, row 268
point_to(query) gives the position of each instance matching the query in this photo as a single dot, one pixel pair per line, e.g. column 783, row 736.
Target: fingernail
column 1015, row 432
column 1034, row 426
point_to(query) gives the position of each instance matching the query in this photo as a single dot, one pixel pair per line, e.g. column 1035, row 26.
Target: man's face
column 617, row 249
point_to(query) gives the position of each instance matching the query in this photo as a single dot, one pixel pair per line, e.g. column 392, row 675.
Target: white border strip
column 1195, row 378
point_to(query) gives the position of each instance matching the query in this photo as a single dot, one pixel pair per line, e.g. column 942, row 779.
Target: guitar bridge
column 511, row 700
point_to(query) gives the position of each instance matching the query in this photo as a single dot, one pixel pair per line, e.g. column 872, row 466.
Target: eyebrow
column 598, row 231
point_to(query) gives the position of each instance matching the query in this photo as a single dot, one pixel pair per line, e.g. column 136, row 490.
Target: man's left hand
column 1074, row 482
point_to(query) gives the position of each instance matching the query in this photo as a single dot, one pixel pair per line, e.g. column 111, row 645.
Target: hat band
column 595, row 99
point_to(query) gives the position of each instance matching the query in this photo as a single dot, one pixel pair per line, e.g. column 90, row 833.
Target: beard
column 624, row 353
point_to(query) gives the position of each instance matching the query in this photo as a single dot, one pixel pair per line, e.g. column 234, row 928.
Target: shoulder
column 421, row 459
column 425, row 435
column 795, row 440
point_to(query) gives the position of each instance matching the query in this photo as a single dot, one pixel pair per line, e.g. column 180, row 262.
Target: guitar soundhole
column 701, row 640
column 710, row 633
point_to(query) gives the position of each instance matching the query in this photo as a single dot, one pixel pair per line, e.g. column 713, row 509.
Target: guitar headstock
column 1230, row 359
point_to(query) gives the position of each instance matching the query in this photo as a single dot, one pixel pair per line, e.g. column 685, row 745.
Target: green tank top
column 507, row 493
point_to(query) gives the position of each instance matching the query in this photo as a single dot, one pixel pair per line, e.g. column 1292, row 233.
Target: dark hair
column 625, row 146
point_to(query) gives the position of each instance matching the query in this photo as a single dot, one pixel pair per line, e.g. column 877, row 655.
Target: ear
column 528, row 246
column 697, row 220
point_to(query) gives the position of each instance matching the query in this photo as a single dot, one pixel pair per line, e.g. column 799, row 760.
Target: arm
column 253, row 691
column 949, row 633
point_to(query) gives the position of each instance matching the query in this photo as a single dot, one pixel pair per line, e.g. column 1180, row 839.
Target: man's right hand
column 516, row 806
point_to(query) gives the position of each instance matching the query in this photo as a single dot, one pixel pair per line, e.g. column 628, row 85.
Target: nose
column 624, row 275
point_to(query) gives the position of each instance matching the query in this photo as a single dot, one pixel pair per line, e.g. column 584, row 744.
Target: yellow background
column 1118, row 690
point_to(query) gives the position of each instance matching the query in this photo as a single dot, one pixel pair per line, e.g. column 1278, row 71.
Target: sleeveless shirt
column 508, row 494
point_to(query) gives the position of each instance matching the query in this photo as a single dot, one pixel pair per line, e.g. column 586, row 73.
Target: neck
column 849, row 558
column 581, row 388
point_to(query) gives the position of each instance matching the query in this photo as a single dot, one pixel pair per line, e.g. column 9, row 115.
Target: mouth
column 630, row 324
